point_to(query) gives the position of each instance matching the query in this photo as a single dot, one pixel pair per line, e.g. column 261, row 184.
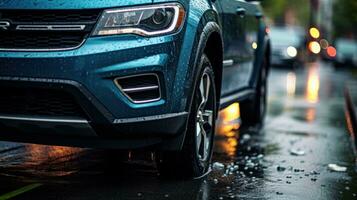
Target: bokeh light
column 314, row 47
column 324, row 44
column 331, row 51
column 314, row 32
column 291, row 84
column 254, row 45
column 292, row 51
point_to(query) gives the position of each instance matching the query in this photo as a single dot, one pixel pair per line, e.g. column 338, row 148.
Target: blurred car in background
column 288, row 46
column 346, row 53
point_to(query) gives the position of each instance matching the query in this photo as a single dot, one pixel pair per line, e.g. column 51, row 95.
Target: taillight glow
column 331, row 51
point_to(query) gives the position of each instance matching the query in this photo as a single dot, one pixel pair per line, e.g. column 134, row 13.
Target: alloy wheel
column 205, row 118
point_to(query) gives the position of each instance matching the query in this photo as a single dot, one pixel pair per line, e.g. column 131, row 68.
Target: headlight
column 145, row 21
column 291, row 51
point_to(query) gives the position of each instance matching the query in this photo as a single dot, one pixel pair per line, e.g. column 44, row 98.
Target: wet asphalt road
column 306, row 116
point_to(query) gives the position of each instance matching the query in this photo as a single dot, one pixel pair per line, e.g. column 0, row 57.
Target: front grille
column 38, row 102
column 140, row 88
column 58, row 16
column 32, row 39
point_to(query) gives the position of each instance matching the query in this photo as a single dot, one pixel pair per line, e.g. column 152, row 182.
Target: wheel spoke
column 205, row 144
column 205, row 117
column 208, row 117
column 207, row 87
column 202, row 93
column 198, row 137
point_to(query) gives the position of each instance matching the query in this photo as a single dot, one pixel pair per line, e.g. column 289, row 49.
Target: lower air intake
column 39, row 102
column 140, row 88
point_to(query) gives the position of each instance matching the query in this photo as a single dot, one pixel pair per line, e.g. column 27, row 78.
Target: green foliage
column 345, row 18
column 275, row 10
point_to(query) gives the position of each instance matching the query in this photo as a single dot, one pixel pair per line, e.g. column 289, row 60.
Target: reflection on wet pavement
column 287, row 158
column 313, row 84
column 291, row 84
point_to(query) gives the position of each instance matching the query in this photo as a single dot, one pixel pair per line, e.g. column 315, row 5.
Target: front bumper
column 98, row 62
column 88, row 73
column 81, row 133
column 99, row 129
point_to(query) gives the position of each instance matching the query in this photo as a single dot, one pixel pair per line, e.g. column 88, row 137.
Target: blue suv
column 131, row 74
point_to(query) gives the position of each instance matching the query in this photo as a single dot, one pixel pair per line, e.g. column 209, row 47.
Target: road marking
column 19, row 191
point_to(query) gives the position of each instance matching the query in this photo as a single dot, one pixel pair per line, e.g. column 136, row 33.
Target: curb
column 351, row 117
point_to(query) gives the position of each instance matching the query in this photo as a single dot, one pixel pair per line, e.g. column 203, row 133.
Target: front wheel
column 194, row 158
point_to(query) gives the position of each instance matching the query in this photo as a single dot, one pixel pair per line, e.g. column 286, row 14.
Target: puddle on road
column 39, row 160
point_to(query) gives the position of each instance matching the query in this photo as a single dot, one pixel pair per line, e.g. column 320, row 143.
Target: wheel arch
column 214, row 52
column 206, row 39
column 211, row 44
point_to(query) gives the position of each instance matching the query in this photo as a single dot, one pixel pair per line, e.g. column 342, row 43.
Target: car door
column 240, row 27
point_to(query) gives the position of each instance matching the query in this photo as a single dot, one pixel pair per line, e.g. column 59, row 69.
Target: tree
column 276, row 10
column 345, row 18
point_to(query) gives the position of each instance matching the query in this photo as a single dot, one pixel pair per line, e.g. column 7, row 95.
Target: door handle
column 241, row 12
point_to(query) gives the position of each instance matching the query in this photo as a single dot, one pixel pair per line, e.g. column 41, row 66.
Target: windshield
column 284, row 36
column 346, row 46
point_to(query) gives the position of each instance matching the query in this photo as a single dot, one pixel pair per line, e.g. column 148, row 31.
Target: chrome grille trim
column 140, row 89
column 51, row 27
column 58, row 30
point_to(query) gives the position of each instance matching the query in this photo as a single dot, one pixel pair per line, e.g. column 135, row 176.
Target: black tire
column 253, row 110
column 194, row 159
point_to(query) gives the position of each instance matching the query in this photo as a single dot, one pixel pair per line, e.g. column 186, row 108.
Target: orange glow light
column 229, row 120
column 331, row 51
column 310, row 114
column 314, row 47
column 231, row 113
column 228, row 146
column 36, row 155
column 313, row 86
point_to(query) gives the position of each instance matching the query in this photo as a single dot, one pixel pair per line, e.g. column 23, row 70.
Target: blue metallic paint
column 100, row 59
column 69, row 4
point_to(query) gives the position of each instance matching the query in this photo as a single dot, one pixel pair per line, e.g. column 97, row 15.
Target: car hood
column 68, row 4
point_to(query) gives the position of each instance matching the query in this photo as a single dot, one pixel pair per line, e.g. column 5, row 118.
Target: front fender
column 202, row 21
column 210, row 28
